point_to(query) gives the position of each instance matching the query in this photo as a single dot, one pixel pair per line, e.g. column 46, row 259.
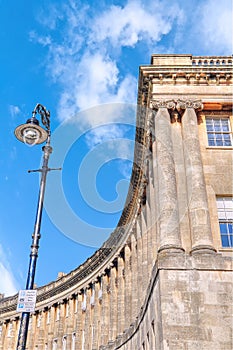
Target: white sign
column 26, row 301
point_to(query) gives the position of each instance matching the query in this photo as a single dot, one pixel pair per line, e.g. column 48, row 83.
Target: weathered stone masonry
column 162, row 280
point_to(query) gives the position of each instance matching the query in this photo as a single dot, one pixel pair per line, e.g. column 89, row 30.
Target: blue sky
column 80, row 59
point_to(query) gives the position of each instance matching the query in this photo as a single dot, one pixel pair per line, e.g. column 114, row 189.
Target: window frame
column 221, row 132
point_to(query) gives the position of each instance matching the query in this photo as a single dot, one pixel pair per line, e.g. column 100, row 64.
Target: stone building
column 163, row 280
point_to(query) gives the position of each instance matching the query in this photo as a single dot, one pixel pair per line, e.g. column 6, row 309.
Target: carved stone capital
column 184, row 104
column 169, row 104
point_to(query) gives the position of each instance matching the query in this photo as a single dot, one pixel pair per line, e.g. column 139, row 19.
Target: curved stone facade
column 162, row 280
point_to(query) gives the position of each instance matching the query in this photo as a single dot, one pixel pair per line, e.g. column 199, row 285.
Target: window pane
column 230, row 228
column 218, row 136
column 225, row 242
column 227, row 143
column 228, row 202
column 219, row 142
column 223, row 228
column 231, row 241
column 211, row 143
column 229, row 215
column 225, row 125
column 222, row 215
column 211, row 136
column 226, row 136
column 211, row 139
column 220, row 203
column 209, row 127
column 217, row 126
column 227, row 139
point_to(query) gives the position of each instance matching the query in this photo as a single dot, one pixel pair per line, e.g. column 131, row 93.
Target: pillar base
column 203, row 249
column 171, row 248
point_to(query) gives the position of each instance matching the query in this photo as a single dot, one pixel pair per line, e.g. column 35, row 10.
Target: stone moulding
column 196, row 71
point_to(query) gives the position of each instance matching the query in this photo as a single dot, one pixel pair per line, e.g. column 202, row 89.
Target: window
column 225, row 217
column 218, row 131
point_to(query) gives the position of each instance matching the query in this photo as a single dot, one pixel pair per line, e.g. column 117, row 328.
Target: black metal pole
column 23, row 330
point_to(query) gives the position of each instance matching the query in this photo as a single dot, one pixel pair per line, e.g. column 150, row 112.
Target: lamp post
column 32, row 133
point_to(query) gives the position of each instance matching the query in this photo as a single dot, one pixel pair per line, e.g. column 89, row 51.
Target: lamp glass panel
column 31, row 135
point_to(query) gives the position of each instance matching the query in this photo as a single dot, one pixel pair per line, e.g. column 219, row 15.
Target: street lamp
column 32, row 133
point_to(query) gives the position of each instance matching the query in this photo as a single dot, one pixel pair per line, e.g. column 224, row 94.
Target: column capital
column 189, row 103
column 169, row 104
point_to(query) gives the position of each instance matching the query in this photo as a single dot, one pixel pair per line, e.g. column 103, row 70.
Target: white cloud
column 85, row 59
column 43, row 40
column 126, row 26
column 104, row 133
column 87, row 44
column 8, row 285
column 14, row 110
column 96, row 81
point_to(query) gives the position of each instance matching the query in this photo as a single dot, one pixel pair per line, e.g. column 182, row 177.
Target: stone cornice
column 193, row 76
column 198, row 74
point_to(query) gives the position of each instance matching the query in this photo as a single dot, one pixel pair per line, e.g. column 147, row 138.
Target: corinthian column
column 197, row 197
column 169, row 230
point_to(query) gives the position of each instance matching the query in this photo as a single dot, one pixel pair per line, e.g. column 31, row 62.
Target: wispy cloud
column 43, row 40
column 86, row 44
column 104, row 133
column 8, row 284
column 93, row 50
column 128, row 25
column 14, row 110
column 85, row 59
